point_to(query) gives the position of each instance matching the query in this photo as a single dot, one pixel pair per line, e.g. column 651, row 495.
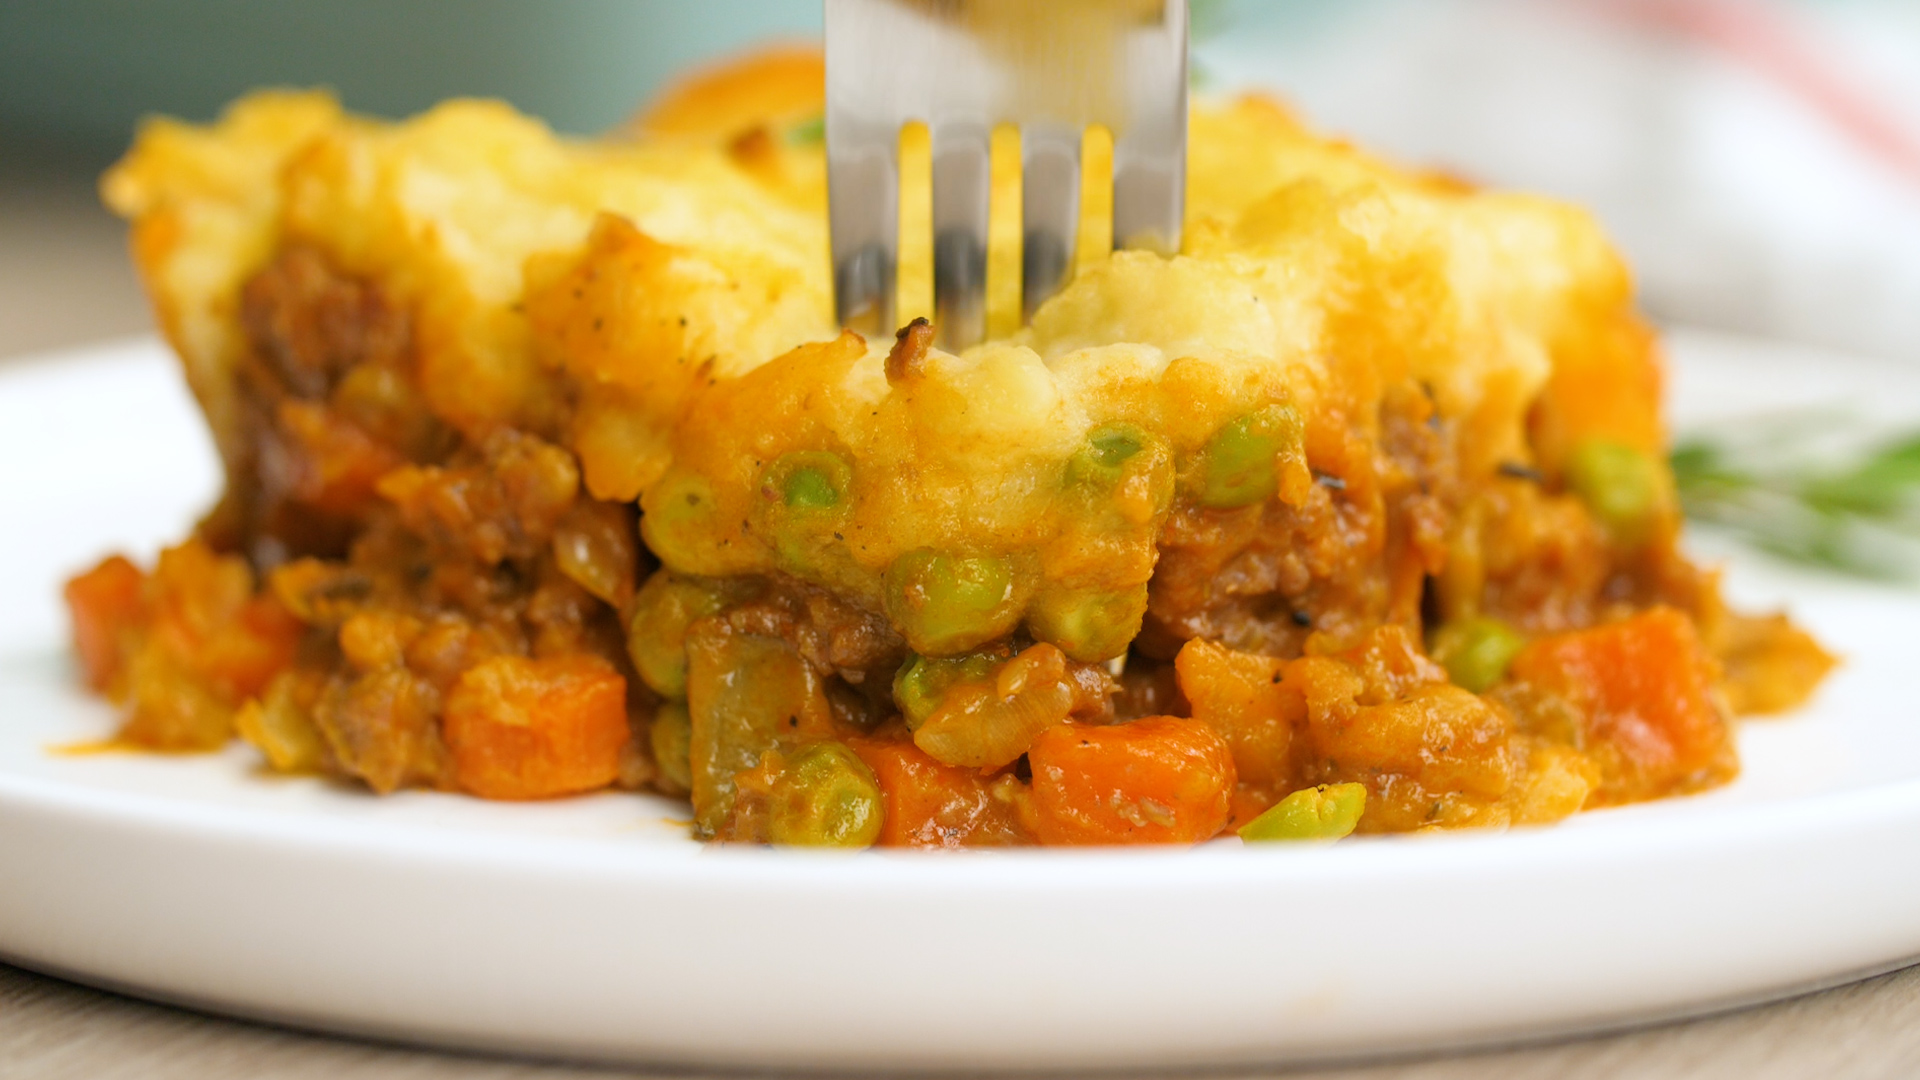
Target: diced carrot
column 1239, row 695
column 931, row 805
column 1643, row 688
column 108, row 604
column 183, row 646
column 1159, row 780
column 244, row 655
column 520, row 728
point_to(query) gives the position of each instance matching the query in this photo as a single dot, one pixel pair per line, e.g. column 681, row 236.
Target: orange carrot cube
column 932, row 805
column 108, row 604
column 1159, row 780
column 520, row 728
column 1643, row 690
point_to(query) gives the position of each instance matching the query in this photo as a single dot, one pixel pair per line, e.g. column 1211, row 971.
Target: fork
column 1052, row 68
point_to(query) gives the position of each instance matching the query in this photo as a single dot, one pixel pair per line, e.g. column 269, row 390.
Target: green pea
column 947, row 604
column 811, row 489
column 805, row 499
column 1327, row 812
column 1622, row 486
column 825, row 797
column 1103, row 459
column 923, row 680
column 1089, row 626
column 678, row 514
column 1476, row 651
column 808, row 480
column 1120, row 480
column 1240, row 463
column 671, row 738
column 657, row 633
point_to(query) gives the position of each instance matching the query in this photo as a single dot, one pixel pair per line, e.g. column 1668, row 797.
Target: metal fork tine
column 1149, row 157
column 1052, row 71
column 1147, row 202
column 1049, row 210
column 863, row 151
column 962, row 186
column 863, row 212
column 864, row 219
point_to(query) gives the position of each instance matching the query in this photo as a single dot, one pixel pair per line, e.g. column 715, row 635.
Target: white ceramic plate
column 593, row 927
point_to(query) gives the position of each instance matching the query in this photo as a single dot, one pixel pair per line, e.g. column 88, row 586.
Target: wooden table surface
column 64, row 281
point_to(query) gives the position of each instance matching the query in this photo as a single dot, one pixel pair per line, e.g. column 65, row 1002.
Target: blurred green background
column 82, row 72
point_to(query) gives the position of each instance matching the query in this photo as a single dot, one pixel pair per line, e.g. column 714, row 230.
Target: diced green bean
column 825, row 797
column 947, row 604
column 1240, row 465
column 1327, row 812
column 1089, row 626
column 746, row 693
column 657, row 633
column 1476, row 651
column 671, row 738
column 1621, row 485
column 923, row 680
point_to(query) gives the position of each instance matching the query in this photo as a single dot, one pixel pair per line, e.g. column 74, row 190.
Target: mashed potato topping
column 548, row 470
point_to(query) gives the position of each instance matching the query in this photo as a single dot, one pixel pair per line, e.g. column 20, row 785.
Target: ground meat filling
column 431, row 568
column 1352, row 554
column 329, row 407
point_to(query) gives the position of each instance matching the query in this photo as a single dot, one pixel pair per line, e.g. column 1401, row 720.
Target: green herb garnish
column 1782, row 486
